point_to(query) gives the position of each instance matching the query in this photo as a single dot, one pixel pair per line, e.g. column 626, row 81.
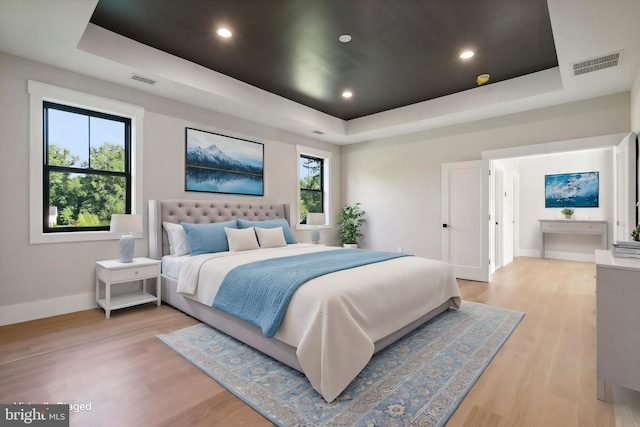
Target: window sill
column 80, row 236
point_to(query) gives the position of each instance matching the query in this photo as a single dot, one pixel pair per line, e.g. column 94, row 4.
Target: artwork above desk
column 571, row 226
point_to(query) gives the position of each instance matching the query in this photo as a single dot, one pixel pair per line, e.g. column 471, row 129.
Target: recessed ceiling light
column 467, row 54
column 345, row 38
column 223, row 32
column 347, row 94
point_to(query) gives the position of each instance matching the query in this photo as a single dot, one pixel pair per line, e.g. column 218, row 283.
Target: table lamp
column 315, row 219
column 126, row 224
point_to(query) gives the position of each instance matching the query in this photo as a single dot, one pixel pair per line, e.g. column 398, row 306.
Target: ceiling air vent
column 143, row 79
column 595, row 64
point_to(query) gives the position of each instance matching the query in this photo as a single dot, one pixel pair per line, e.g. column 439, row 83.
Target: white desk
column 572, row 226
column 617, row 320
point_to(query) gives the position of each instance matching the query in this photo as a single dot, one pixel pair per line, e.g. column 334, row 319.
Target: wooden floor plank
column 543, row 376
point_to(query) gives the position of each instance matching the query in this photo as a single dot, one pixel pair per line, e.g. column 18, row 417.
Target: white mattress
column 171, row 265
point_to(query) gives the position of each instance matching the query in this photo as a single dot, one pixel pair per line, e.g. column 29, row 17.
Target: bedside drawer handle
column 136, row 271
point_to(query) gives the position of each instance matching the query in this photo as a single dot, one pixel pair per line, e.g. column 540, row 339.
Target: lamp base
column 315, row 236
column 127, row 248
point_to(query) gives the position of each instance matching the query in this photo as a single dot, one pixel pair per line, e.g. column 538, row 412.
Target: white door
column 498, row 215
column 465, row 219
column 516, row 215
column 625, row 209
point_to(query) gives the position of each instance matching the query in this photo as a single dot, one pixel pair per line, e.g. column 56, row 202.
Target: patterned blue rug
column 420, row 380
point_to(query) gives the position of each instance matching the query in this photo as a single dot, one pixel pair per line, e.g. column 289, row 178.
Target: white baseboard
column 17, row 313
column 531, row 253
column 568, row 256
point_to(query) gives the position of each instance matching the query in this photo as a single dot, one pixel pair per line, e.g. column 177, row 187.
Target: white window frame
column 39, row 92
column 326, row 157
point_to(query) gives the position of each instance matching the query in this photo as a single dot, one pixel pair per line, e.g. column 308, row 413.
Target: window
column 85, row 164
column 87, row 168
column 311, row 186
column 313, row 173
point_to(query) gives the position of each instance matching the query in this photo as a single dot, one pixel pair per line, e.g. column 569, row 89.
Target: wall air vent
column 317, row 132
column 143, row 79
column 595, row 64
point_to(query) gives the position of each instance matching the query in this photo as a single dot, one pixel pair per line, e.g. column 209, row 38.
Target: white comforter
column 334, row 320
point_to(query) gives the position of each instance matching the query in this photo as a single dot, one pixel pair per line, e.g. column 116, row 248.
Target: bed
column 329, row 330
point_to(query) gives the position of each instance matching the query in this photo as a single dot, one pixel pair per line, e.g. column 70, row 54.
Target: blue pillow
column 207, row 238
column 271, row 223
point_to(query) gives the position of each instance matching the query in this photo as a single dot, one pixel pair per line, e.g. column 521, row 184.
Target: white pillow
column 178, row 244
column 271, row 237
column 241, row 239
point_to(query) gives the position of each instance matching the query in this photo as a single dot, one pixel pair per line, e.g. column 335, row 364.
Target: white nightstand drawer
column 584, row 227
column 550, row 227
column 131, row 274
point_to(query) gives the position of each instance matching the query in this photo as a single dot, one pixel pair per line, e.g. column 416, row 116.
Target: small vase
column 567, row 216
column 350, row 245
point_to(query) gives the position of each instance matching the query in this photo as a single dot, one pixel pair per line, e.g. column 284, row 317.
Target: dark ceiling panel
column 402, row 52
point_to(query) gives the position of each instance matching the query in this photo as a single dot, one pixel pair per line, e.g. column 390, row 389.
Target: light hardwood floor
column 543, row 376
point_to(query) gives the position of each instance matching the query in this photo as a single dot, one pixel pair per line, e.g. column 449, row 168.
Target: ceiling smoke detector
column 482, row 79
column 596, row 64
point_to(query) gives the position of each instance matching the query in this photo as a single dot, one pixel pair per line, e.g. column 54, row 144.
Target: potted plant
column 350, row 221
column 567, row 213
column 635, row 234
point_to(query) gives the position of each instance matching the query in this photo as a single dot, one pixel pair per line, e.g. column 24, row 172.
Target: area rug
column 419, row 380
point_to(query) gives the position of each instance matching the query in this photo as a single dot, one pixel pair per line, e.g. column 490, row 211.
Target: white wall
column 532, row 205
column 397, row 180
column 635, row 105
column 48, row 279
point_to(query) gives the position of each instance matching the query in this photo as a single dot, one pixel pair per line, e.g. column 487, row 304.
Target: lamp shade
column 315, row 219
column 126, row 224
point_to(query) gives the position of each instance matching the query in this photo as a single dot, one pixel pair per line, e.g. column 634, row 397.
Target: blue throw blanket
column 259, row 292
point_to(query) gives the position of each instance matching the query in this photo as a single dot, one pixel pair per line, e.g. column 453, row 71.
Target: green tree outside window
column 311, row 186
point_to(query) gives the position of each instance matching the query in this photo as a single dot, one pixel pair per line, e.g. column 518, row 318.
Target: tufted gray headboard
column 202, row 212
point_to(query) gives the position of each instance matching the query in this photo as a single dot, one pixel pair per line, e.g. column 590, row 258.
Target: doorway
column 515, row 190
column 498, row 211
column 523, row 195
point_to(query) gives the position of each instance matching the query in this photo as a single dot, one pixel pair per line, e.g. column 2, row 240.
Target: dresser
column 617, row 322
column 572, row 226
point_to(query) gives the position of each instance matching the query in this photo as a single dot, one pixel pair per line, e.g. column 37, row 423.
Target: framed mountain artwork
column 217, row 163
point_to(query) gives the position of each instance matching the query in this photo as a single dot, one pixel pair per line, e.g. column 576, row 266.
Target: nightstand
column 113, row 271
